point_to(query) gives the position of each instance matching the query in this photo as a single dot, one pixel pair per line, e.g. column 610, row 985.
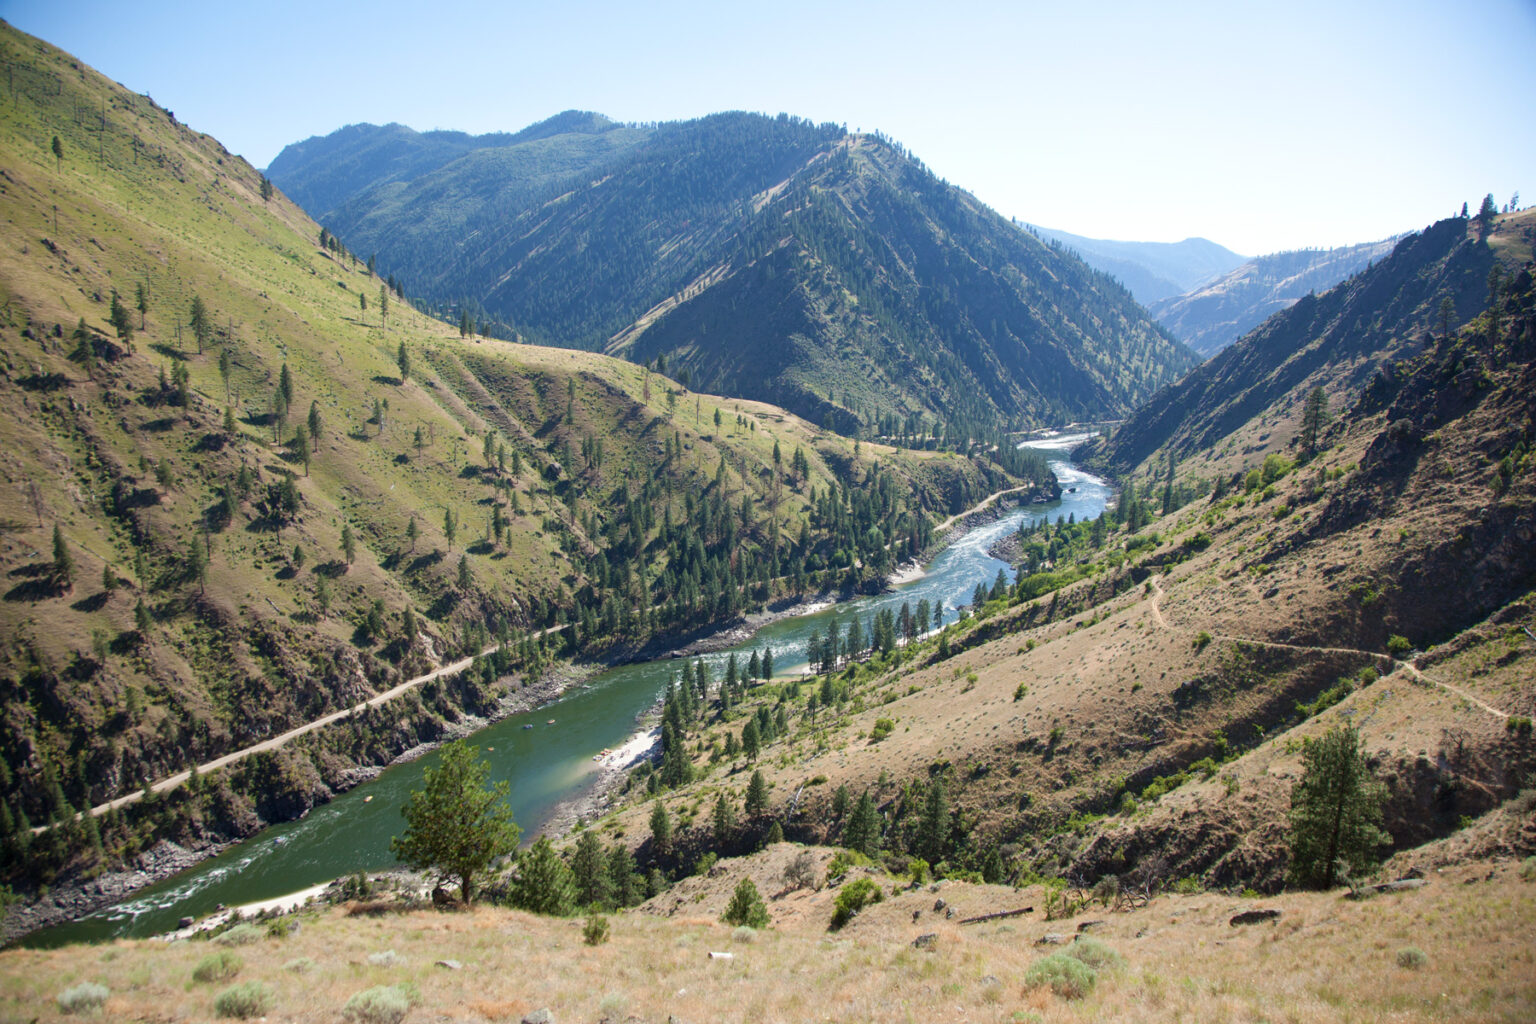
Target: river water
column 548, row 763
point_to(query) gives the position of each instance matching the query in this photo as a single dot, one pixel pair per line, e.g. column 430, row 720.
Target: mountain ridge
column 875, row 246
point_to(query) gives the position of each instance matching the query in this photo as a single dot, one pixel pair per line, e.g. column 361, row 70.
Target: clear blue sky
column 1259, row 126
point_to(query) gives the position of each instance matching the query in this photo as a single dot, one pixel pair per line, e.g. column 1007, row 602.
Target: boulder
column 927, row 941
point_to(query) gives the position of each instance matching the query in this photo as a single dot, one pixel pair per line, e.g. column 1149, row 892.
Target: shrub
column 745, row 934
column 84, row 998
column 854, row 897
column 1094, row 953
column 387, row 958
column 746, row 906
column 883, row 727
column 1065, row 975
column 220, row 966
column 595, row 931
column 1202, row 640
column 300, row 965
column 1397, row 646
column 242, row 934
column 845, row 861
column 1528, row 869
column 282, row 927
column 800, row 873
column 382, row 1004
column 247, row 999
column 1412, row 957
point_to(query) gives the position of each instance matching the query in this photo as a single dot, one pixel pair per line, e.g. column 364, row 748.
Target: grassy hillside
column 1403, row 957
column 218, row 578
column 765, row 258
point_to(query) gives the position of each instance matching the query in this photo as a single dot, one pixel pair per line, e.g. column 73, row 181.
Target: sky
column 1261, row 126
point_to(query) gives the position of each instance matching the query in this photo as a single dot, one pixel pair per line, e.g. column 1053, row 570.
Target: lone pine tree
column 1335, row 811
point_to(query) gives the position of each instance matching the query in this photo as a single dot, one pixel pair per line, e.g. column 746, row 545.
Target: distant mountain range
column 1208, row 296
column 1336, row 339
column 1212, row 316
column 1151, row 270
column 767, row 258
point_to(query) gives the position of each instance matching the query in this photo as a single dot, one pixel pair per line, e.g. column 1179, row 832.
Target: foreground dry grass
column 1327, row 959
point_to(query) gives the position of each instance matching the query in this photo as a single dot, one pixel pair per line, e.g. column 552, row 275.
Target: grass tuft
column 243, row 1001
column 1064, row 975
column 84, row 999
column 220, row 966
column 382, row 1004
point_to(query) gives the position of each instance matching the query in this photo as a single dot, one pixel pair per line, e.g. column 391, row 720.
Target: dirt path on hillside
column 1397, row 666
column 272, row 743
column 979, row 506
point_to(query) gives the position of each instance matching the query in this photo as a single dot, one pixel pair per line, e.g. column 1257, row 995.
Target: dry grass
column 1326, row 960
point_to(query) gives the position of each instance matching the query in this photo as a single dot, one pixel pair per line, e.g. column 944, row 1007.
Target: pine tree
column 58, row 153
column 862, row 833
column 756, row 802
column 724, row 822
column 932, row 840
column 122, row 322
column 623, row 882
column 456, row 824
column 661, row 830
column 751, row 740
column 141, row 301
column 1485, row 215
column 403, row 361
column 316, row 425
column 300, row 444
column 63, row 561
column 197, row 565
column 544, row 884
column 1314, row 417
column 348, row 544
column 589, row 871
column 201, row 323
column 1335, row 811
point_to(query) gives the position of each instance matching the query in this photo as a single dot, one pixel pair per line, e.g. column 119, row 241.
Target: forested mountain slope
column 247, row 485
column 772, row 259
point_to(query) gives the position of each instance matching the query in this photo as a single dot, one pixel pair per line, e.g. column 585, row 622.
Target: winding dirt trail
column 1397, row 666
